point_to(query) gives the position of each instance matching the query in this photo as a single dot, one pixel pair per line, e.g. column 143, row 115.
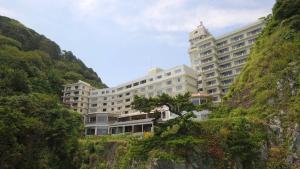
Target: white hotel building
column 215, row 62
column 219, row 60
column 109, row 110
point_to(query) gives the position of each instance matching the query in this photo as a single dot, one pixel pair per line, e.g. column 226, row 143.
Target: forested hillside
column 36, row 130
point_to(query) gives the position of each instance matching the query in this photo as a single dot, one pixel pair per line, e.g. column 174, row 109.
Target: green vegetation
column 257, row 126
column 36, row 130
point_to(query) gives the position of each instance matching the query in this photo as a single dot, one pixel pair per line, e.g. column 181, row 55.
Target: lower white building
column 110, row 109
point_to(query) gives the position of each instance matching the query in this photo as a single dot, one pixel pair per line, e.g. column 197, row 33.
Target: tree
column 177, row 105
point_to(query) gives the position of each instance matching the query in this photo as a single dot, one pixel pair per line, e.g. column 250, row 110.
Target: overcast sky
column 122, row 39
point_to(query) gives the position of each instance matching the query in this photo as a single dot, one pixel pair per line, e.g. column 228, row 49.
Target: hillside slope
column 36, row 130
column 32, row 63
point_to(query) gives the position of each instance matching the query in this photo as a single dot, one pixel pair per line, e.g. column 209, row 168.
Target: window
column 128, row 86
column 208, row 67
column 120, row 95
column 151, row 79
column 222, row 43
column 238, row 45
column 228, row 81
column 143, row 81
column 163, row 115
column 127, row 100
column 119, row 108
column 104, row 98
column 212, row 91
column 205, row 45
column 224, row 90
column 92, row 119
column 127, row 106
column 112, row 103
column 240, row 53
column 223, row 58
column 104, row 110
column 168, row 74
column 178, row 79
column 178, row 87
column 199, row 81
column 127, row 94
column 103, row 92
column 158, row 77
column 196, row 101
column 76, row 87
column 94, row 105
column 223, row 50
column 136, row 83
column 228, row 73
column 212, row 74
column 224, row 66
column 104, row 104
column 215, row 99
column 241, row 61
column 253, row 32
column 169, row 82
column 90, row 131
column 207, row 60
column 206, row 53
column 210, row 83
column 112, row 109
column 236, row 38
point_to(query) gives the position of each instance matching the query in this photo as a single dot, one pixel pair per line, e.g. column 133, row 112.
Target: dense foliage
column 36, row 130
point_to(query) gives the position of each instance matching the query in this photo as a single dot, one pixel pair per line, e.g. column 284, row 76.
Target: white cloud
column 92, row 8
column 174, row 16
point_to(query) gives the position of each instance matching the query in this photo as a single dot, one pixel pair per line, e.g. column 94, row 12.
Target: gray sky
column 122, row 39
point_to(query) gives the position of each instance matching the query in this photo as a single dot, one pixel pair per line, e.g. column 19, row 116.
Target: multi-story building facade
column 109, row 110
column 76, row 96
column 219, row 60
